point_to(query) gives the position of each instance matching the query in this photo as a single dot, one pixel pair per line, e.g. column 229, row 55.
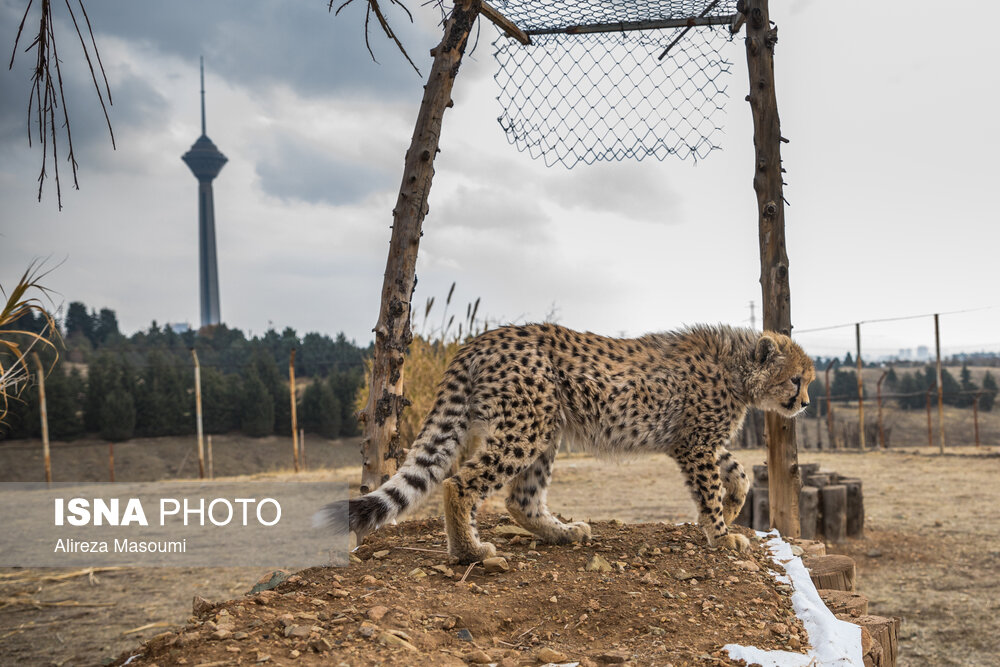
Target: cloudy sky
column 891, row 170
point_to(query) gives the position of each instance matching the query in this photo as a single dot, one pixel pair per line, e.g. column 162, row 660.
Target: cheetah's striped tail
column 425, row 467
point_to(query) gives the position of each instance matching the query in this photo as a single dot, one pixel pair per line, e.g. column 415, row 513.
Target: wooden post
column 878, row 388
column 861, row 390
column 295, row 421
column 834, row 500
column 808, row 512
column 940, row 386
column 829, row 405
column 380, row 446
column 975, row 417
column 782, row 455
column 197, row 410
column 930, row 430
column 43, row 409
column 211, row 468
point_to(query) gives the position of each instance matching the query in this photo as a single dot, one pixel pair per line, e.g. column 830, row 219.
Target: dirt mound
column 644, row 593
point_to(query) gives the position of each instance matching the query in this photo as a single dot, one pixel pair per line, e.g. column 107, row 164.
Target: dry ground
column 931, row 555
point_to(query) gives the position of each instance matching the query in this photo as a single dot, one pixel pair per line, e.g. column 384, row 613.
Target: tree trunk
column 380, row 446
column 782, row 456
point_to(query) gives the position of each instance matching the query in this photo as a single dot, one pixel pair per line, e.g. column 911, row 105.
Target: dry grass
column 16, row 344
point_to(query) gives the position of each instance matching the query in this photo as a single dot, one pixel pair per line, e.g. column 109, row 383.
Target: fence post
column 881, row 433
column 295, row 422
column 940, row 388
column 861, row 390
column 930, row 431
column 829, row 404
column 197, row 410
column 45, row 419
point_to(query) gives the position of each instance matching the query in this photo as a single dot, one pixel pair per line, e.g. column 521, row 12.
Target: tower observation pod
column 205, row 162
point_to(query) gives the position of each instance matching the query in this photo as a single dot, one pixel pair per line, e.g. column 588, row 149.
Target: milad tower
column 205, row 162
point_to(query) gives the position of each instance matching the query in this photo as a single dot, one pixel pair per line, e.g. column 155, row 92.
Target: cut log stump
column 810, row 547
column 761, row 509
column 834, row 499
column 884, row 632
column 833, row 572
column 745, row 517
column 808, row 512
column 844, row 602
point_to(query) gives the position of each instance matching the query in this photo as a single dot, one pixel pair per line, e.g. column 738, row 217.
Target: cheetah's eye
column 797, row 380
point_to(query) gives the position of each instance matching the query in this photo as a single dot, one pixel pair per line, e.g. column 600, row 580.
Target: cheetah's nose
column 805, row 404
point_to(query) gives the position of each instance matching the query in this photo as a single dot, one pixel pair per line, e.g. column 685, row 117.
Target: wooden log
column 806, row 469
column 844, row 602
column 761, row 509
column 819, row 480
column 745, row 517
column 834, row 501
column 810, row 547
column 884, row 632
column 834, row 572
column 808, row 512
column 760, row 475
column 855, row 507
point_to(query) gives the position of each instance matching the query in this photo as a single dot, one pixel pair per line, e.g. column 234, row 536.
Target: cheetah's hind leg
column 736, row 484
column 526, row 504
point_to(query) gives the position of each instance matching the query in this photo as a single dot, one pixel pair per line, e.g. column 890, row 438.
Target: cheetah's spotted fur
column 517, row 390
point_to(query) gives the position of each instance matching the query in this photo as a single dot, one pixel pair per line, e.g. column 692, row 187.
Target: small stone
column 479, row 657
column 320, row 645
column 221, row 634
column 464, row 635
column 547, row 654
column 294, row 653
column 794, row 641
column 553, row 599
column 874, row 553
column 416, row 573
column 389, row 639
column 300, row 631
column 200, row 606
column 379, row 555
column 444, row 569
column 748, row 565
column 496, row 564
column 262, row 657
column 778, row 629
column 269, row 581
column 241, row 635
column 797, row 550
column 376, row 613
column 367, row 629
column 611, row 657
column 598, row 564
column 512, row 531
column 682, row 575
column 233, row 649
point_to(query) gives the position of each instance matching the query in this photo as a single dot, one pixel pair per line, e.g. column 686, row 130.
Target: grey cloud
column 633, row 190
column 293, row 169
column 482, row 209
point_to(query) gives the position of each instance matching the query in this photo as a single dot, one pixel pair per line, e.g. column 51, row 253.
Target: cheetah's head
column 781, row 375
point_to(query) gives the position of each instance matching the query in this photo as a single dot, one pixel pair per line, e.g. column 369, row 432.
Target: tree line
column 907, row 389
column 118, row 387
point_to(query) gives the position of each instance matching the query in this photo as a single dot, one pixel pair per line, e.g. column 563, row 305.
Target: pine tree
column 117, row 416
column 257, row 418
column 968, row 388
column 989, row 395
column 321, row 411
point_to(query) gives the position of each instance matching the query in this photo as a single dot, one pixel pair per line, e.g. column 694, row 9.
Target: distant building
column 179, row 327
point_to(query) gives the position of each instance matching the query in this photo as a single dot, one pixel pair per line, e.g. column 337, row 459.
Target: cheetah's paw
column 733, row 541
column 475, row 554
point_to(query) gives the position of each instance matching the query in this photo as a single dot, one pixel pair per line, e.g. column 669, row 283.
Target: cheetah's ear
column 766, row 348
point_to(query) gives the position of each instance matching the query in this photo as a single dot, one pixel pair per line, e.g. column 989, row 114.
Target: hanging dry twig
column 374, row 8
column 47, row 89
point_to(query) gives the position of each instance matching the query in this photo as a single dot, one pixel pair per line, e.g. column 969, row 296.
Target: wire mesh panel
column 591, row 96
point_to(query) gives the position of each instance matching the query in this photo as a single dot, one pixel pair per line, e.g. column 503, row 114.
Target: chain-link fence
column 577, row 95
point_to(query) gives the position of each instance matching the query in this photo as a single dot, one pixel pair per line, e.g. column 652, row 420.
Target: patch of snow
column 835, row 643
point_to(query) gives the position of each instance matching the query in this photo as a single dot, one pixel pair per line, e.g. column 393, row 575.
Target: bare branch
column 374, row 8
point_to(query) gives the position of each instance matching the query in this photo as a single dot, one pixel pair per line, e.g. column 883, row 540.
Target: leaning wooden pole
column 380, row 447
column 940, row 385
column 782, row 454
column 861, row 389
column 295, row 420
column 197, row 412
column 44, row 413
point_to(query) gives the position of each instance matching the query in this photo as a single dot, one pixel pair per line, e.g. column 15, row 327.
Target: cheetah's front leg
column 703, row 478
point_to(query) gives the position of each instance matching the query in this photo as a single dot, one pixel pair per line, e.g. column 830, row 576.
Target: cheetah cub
column 517, row 390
